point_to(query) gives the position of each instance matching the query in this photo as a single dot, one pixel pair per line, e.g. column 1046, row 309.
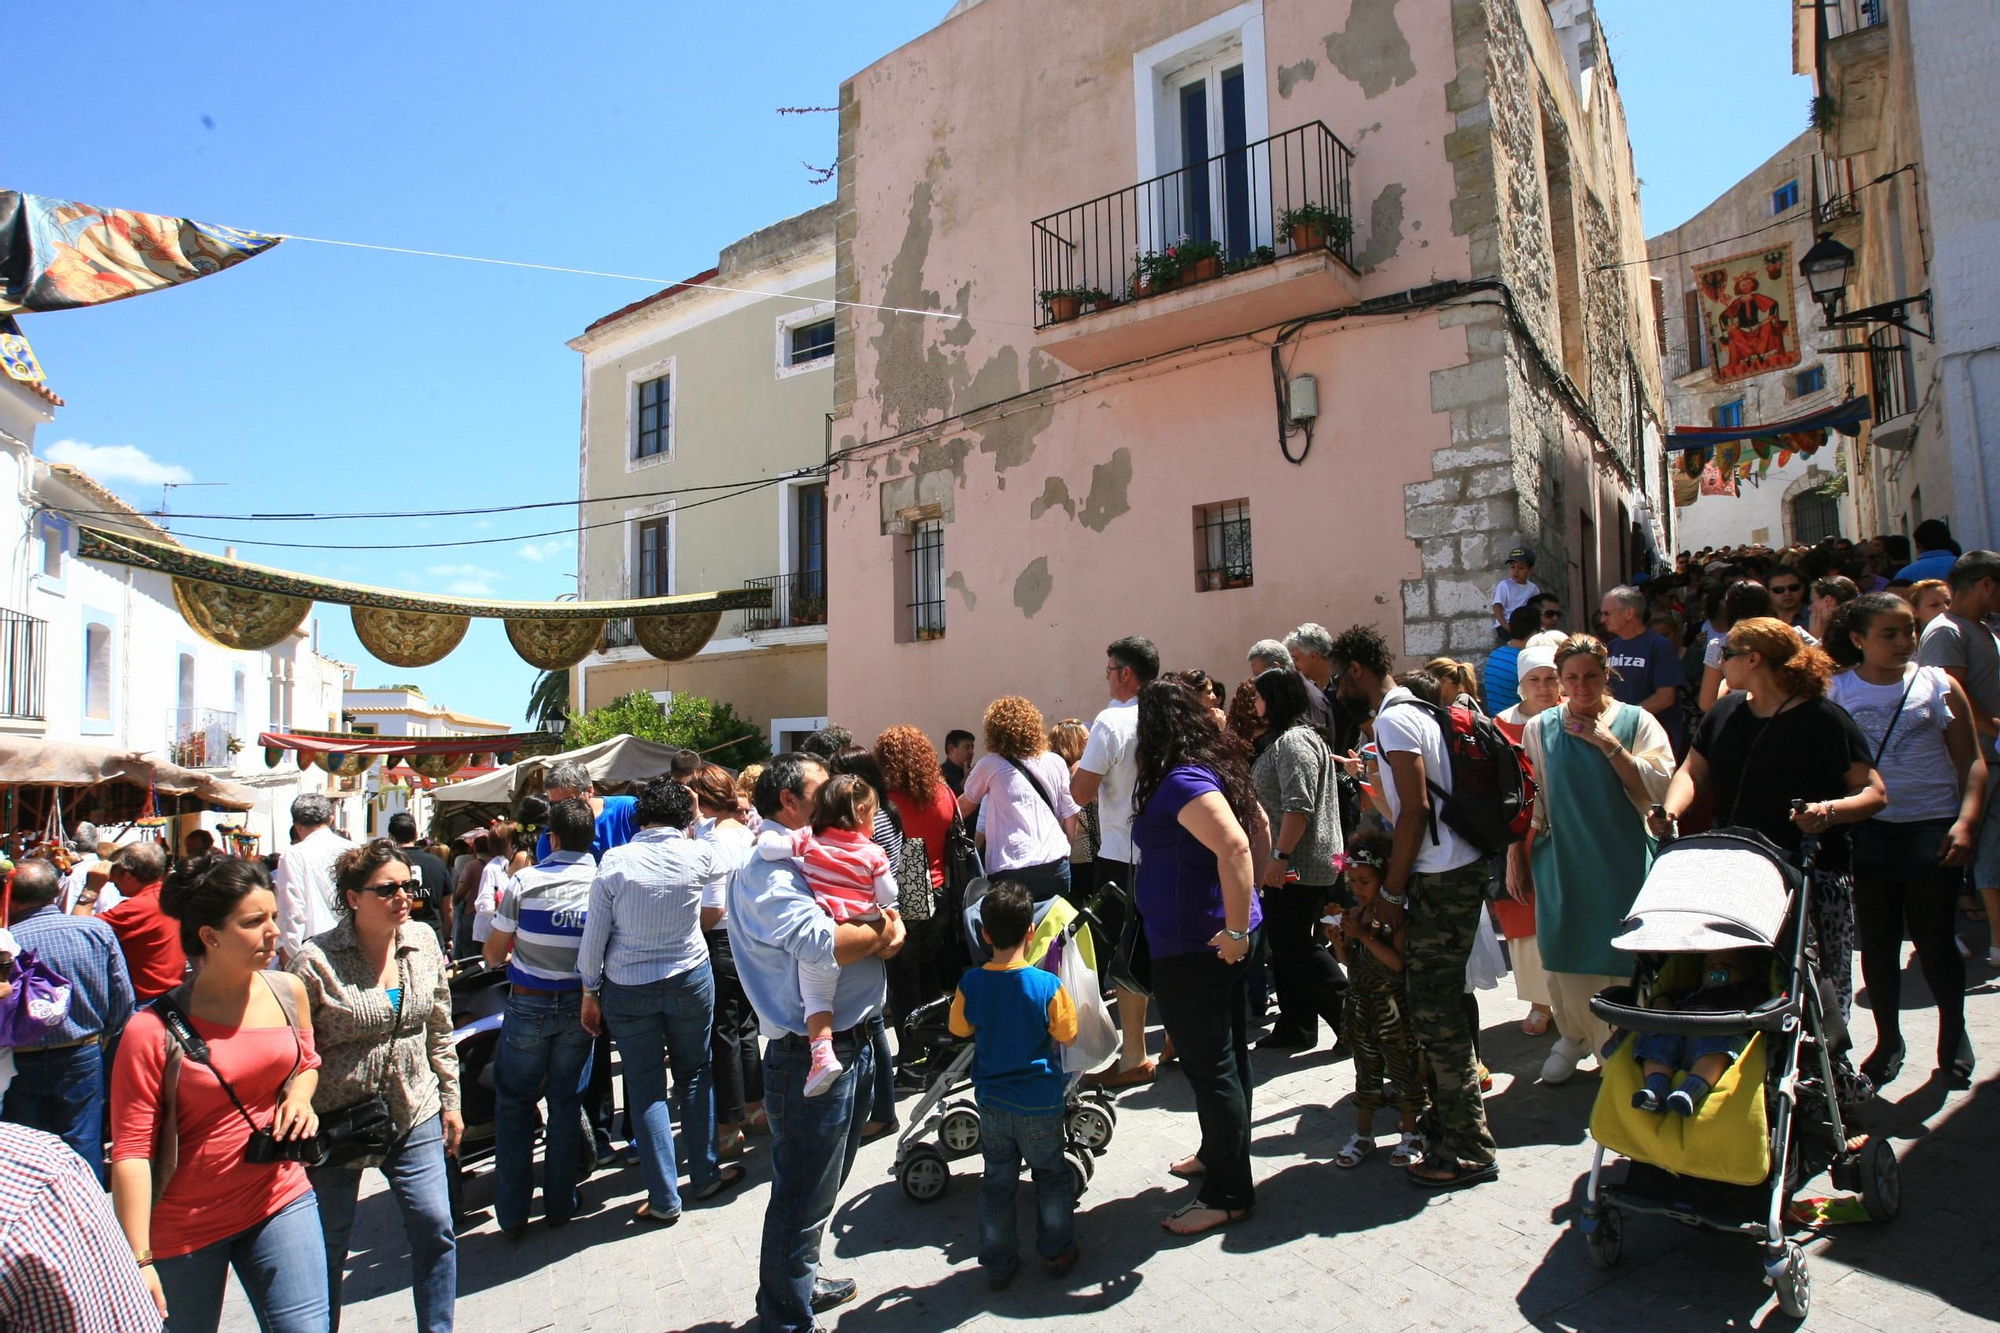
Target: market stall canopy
column 346, row 753
column 620, row 762
column 27, row 761
column 251, row 607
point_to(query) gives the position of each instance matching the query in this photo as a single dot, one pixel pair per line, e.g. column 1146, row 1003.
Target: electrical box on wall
column 1304, row 398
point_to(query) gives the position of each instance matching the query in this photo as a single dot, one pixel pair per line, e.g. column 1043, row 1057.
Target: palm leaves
column 548, row 701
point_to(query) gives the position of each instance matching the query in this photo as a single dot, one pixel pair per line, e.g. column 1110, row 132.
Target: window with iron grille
column 649, row 558
column 926, row 554
column 811, row 342
column 1222, row 545
column 655, row 400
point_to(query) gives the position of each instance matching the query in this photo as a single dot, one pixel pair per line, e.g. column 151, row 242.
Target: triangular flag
column 57, row 254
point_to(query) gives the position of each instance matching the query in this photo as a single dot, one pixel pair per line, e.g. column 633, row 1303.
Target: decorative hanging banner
column 57, row 254
column 1747, row 312
column 240, row 605
column 1718, row 481
column 1845, row 417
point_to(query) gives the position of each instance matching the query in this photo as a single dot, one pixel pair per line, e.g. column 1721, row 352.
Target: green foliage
column 1337, row 227
column 548, row 701
column 1822, row 112
column 691, row 722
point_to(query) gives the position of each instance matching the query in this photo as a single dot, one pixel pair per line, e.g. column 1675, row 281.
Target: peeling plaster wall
column 1068, row 514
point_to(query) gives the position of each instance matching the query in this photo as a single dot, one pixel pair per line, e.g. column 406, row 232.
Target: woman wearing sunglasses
column 382, row 1010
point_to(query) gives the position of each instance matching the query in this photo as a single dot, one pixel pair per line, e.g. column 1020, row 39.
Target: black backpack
column 1491, row 803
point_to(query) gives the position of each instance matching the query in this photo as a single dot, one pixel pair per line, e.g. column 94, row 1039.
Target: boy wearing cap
column 1512, row 592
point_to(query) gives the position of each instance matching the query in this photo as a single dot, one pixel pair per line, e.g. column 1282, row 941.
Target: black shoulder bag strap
column 1441, row 718
column 1881, row 749
column 191, row 1043
column 1034, row 782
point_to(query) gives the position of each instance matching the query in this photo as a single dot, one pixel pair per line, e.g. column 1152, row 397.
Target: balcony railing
column 201, row 738
column 24, row 655
column 1845, row 16
column 1237, row 208
column 1833, row 189
column 617, row 634
column 1893, row 375
column 796, row 599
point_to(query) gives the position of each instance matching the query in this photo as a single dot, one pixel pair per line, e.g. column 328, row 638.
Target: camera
column 263, row 1149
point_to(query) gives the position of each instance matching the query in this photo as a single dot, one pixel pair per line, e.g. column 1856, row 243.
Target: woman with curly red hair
column 1021, row 789
column 914, row 784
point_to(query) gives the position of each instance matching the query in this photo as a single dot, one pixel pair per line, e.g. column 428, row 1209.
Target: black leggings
column 1899, row 886
column 1305, row 973
column 734, row 1059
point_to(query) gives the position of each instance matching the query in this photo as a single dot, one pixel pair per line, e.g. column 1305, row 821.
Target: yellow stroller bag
column 1727, row 1139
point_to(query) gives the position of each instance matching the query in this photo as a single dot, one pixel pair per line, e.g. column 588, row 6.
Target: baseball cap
column 1522, row 554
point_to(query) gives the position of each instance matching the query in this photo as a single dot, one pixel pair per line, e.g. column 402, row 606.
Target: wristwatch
column 1236, row 934
column 1281, row 856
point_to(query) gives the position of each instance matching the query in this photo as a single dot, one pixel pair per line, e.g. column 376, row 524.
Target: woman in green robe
column 1600, row 765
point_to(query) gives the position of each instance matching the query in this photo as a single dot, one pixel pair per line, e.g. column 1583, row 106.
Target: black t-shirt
column 437, row 885
column 1757, row 776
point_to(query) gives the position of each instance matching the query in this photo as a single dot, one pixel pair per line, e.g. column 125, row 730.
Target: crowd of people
column 1286, row 853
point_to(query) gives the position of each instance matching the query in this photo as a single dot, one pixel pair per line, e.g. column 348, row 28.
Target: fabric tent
column 27, row 761
column 616, row 764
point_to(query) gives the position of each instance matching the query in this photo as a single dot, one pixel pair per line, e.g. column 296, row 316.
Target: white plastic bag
column 1486, row 964
column 1096, row 1035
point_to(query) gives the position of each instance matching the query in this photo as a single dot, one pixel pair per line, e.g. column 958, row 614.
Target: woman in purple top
column 1195, row 820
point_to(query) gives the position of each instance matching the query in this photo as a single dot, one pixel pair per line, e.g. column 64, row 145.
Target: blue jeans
column 653, row 1024
column 1042, row 882
column 813, row 1142
column 544, row 1052
column 414, row 1169
column 62, row 1093
column 1006, row 1137
column 1678, row 1052
column 281, row 1263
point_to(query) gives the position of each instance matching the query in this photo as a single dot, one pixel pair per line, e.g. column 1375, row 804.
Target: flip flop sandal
column 646, row 1214
column 729, row 1178
column 1408, row 1151
column 1536, row 1024
column 1354, row 1152
column 1229, row 1218
column 1196, row 1173
column 1458, row 1176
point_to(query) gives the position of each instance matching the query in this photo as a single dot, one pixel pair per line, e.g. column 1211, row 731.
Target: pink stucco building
column 1336, row 428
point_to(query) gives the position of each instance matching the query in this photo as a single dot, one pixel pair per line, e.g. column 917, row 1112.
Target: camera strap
column 191, row 1043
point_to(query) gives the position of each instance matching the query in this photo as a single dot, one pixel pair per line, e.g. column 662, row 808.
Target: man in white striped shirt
column 544, row 1051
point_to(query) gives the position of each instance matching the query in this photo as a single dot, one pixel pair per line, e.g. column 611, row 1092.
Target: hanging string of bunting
column 239, row 605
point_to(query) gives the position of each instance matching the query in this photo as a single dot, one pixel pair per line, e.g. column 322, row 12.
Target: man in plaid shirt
column 65, row 1267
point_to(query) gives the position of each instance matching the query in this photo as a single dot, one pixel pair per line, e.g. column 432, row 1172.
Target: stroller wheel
column 1081, row 1165
column 958, row 1131
column 1792, row 1280
column 1091, row 1127
column 1605, row 1238
column 1881, row 1181
column 924, row 1174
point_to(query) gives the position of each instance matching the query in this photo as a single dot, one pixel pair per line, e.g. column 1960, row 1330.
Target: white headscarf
column 1532, row 658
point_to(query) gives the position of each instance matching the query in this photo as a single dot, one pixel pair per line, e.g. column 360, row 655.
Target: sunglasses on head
column 392, row 888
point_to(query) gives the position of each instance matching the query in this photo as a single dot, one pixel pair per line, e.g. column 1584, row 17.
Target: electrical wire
column 1754, row 231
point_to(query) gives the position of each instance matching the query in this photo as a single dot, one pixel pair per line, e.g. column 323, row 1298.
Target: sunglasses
column 392, row 888
column 1780, row 589
column 1728, row 653
column 1552, row 615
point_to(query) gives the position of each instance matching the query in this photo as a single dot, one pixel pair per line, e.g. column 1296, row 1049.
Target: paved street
column 1326, row 1249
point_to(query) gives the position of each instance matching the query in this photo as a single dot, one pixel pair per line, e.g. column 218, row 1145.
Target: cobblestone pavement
column 1326, row 1249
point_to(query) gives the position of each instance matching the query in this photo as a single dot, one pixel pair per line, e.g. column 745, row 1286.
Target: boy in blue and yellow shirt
column 1017, row 1015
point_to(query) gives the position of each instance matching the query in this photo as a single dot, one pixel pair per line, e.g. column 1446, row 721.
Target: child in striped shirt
column 850, row 876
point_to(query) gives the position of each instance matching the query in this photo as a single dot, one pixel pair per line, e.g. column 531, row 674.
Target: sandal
column 1188, row 1168
column 646, row 1214
column 727, row 1179
column 1223, row 1217
column 1451, row 1174
column 729, row 1145
column 1408, row 1151
column 1354, row 1152
column 1536, row 1024
column 757, row 1124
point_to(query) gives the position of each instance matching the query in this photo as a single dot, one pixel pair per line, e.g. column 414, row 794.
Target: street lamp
column 1825, row 269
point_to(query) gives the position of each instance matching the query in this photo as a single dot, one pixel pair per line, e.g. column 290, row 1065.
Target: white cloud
column 483, row 524
column 465, row 580
column 540, row 551
column 110, row 463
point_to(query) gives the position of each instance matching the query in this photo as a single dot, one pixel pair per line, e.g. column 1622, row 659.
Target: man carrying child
column 1016, row 1016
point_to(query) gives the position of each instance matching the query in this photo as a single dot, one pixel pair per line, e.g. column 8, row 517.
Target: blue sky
column 638, row 139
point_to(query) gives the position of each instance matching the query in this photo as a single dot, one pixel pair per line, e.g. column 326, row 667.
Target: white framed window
column 651, row 396
column 649, row 564
column 805, row 339
column 1197, row 95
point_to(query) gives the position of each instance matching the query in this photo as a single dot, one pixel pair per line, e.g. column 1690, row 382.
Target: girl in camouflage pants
column 1374, row 1019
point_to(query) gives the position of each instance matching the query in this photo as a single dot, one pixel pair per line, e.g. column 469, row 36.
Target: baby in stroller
column 851, row 878
column 1729, row 984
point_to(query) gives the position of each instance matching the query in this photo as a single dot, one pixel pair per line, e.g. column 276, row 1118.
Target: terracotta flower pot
column 1142, row 290
column 1065, row 308
column 1308, row 236
column 1204, row 269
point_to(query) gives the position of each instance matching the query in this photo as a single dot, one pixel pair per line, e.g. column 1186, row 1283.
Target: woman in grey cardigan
column 1294, row 775
column 381, row 1016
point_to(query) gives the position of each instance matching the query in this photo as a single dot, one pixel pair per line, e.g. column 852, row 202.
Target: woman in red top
column 916, row 787
column 221, row 1207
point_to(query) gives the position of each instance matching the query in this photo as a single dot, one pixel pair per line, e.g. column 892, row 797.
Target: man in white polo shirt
column 1107, row 774
column 1440, row 880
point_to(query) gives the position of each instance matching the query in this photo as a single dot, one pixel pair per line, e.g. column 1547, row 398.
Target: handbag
column 37, row 1005
column 913, row 881
column 367, row 1128
column 1131, row 965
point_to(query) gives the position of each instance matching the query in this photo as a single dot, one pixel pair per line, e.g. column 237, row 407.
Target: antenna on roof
column 167, row 489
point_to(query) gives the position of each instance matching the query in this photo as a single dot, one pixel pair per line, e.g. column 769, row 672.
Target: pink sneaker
column 826, row 1067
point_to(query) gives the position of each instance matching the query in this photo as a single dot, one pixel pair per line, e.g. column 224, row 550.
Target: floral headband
column 1360, row 856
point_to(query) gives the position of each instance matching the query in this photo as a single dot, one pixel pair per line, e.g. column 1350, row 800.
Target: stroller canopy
column 1727, row 889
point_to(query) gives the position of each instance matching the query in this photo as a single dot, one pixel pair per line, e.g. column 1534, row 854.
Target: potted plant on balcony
column 1257, row 258
column 1199, row 260
column 1064, row 303
column 1155, row 271
column 1315, row 227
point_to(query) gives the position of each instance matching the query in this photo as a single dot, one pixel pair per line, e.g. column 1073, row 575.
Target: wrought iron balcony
column 1847, row 16
column 1892, row 374
column 1252, row 236
column 24, row 655
column 202, row 738
column 796, row 600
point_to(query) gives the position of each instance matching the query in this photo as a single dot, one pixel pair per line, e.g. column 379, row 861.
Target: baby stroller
column 947, row 1109
column 1772, row 1120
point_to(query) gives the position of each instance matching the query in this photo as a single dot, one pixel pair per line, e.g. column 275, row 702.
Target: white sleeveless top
column 1915, row 766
